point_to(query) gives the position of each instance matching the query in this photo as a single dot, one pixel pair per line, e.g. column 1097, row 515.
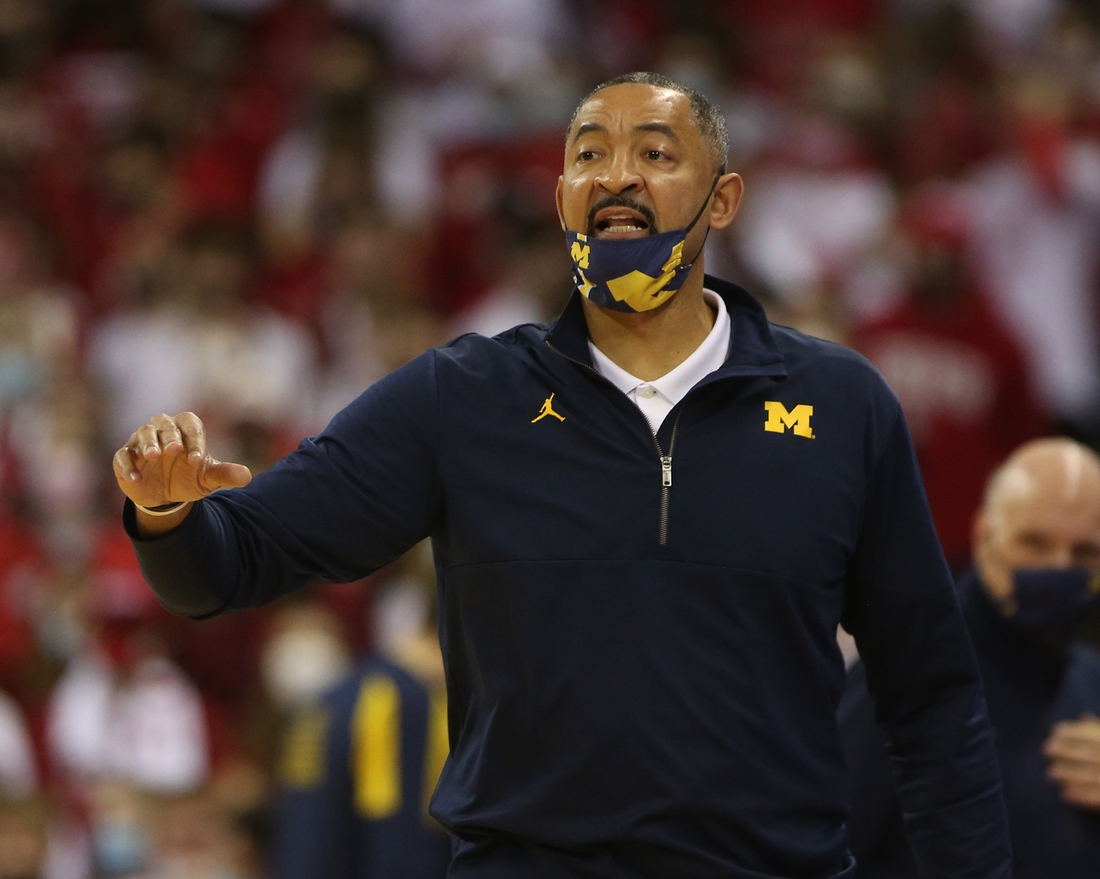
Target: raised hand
column 1073, row 750
column 165, row 461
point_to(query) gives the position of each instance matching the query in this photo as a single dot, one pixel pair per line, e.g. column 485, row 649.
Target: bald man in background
column 1036, row 573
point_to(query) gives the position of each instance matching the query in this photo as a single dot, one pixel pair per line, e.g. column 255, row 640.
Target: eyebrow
column 587, row 128
column 659, row 127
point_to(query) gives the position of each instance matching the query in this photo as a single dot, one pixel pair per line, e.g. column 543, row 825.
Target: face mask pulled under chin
column 1051, row 601
column 635, row 274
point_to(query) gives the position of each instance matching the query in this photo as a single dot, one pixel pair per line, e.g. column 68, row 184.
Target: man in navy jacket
column 648, row 518
column 1036, row 550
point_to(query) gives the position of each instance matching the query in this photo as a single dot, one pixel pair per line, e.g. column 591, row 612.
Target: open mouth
column 620, row 222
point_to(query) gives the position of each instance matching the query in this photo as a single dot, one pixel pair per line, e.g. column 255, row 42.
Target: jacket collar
column 752, row 349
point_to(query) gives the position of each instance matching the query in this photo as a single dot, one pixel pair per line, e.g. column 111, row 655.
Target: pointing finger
column 226, row 475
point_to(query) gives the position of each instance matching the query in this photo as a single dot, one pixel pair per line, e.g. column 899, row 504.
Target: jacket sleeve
column 902, row 608
column 344, row 504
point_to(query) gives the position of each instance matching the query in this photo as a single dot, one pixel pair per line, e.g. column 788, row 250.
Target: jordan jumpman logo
column 547, row 409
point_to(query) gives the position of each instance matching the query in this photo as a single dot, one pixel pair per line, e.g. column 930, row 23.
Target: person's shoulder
column 802, row 348
column 519, row 335
column 473, row 350
column 830, row 365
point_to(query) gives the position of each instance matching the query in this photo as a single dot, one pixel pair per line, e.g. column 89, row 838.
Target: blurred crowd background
column 255, row 208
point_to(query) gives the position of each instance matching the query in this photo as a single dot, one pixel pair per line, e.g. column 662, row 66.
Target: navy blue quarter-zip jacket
column 639, row 630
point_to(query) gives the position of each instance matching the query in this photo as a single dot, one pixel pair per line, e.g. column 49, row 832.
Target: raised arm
column 342, row 505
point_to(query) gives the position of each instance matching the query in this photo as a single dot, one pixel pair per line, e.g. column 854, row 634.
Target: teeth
column 622, row 223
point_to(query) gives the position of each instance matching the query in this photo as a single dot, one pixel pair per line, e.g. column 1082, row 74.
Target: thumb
column 221, row 474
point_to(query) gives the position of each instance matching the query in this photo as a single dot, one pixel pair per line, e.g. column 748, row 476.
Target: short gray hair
column 705, row 113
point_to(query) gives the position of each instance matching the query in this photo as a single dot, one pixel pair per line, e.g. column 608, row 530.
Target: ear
column 726, row 199
column 993, row 571
column 558, row 201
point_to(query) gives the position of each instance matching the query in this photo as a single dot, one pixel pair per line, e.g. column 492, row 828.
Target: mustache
column 621, row 201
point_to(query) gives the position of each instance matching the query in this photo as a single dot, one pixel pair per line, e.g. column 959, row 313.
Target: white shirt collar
column 674, row 385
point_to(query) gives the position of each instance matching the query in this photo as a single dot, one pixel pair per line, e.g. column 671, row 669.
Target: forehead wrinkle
column 659, row 127
column 668, row 103
column 588, row 128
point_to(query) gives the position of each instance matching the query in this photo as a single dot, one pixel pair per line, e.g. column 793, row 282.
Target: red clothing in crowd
column 966, row 393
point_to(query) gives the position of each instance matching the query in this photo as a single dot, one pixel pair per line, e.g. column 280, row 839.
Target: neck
column 651, row 344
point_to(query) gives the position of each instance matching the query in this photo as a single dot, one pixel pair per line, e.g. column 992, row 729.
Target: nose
column 619, row 174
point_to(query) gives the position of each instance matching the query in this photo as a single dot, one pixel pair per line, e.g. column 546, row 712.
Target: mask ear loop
column 691, row 225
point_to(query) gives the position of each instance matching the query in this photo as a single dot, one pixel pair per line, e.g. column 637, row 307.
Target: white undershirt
column 656, row 398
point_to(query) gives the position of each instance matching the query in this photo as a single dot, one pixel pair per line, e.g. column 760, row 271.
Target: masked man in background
column 648, row 518
column 360, row 762
column 1036, row 544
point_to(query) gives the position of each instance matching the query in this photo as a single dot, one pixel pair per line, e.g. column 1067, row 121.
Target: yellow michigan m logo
column 798, row 419
column 579, row 254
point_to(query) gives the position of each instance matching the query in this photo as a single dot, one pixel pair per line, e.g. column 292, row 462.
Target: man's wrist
column 154, row 521
column 162, row 509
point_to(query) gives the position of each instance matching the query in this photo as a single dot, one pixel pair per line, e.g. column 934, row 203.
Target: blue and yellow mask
column 636, row 274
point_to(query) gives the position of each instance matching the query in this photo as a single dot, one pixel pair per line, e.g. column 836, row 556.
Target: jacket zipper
column 666, row 460
column 666, row 475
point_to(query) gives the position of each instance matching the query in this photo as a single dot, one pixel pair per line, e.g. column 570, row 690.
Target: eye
column 654, row 155
column 586, row 155
column 1033, row 541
